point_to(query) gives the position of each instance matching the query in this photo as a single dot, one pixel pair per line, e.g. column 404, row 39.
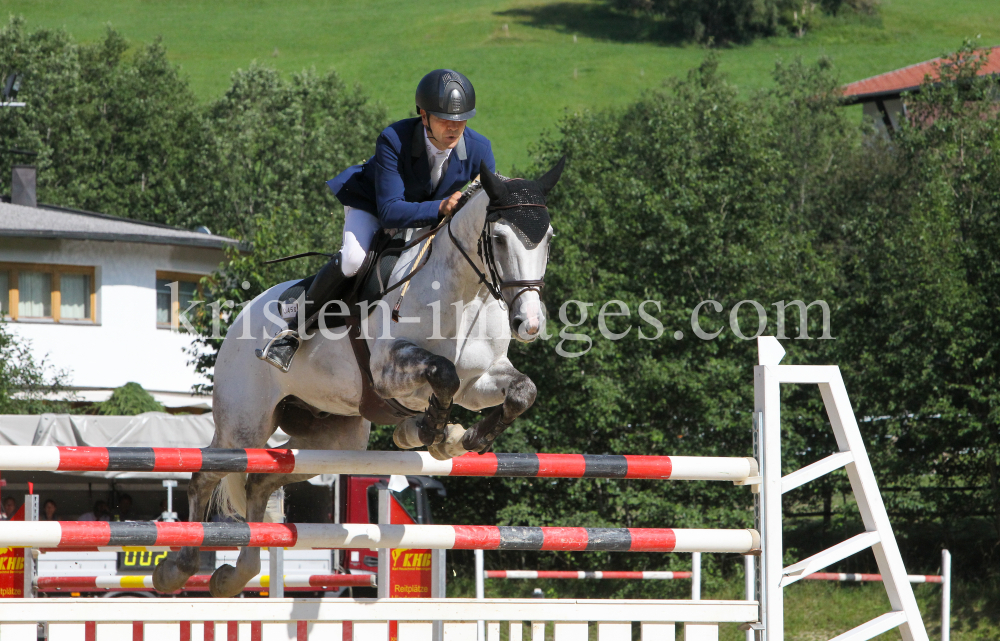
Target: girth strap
column 378, row 410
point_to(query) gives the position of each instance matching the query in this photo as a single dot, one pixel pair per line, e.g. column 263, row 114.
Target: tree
column 128, row 400
column 726, row 22
column 918, row 252
column 115, row 132
column 687, row 196
column 28, row 385
column 277, row 143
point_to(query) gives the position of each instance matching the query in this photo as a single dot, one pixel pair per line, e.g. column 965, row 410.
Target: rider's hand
column 447, row 206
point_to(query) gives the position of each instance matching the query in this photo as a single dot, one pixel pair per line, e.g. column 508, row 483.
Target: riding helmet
column 447, row 94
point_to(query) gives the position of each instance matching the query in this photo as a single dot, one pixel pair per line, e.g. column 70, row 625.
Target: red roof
column 909, row 78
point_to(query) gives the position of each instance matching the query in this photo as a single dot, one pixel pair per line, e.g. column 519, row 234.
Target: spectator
column 99, row 513
column 49, row 511
column 9, row 508
column 124, row 512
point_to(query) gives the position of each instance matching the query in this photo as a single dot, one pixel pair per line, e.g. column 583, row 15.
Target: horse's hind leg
column 310, row 433
column 229, row 581
column 173, row 572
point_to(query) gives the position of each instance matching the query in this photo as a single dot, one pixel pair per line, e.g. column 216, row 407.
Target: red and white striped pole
column 857, row 578
column 68, row 535
column 41, row 458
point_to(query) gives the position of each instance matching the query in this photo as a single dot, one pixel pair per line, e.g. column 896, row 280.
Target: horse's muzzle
column 525, row 327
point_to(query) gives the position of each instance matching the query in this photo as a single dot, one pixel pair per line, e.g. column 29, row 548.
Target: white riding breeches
column 359, row 229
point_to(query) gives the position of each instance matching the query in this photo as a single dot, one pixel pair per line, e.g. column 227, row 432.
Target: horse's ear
column 551, row 177
column 494, row 186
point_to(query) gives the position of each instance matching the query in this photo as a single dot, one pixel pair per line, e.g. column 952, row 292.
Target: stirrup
column 279, row 351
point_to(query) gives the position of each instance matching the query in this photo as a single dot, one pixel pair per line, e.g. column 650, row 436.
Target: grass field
column 526, row 76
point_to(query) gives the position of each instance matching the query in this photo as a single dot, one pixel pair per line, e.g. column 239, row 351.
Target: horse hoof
column 406, row 436
column 223, row 583
column 167, row 577
column 452, row 444
column 429, row 435
column 480, row 436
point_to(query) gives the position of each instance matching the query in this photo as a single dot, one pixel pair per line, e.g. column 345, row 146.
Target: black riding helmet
column 447, row 94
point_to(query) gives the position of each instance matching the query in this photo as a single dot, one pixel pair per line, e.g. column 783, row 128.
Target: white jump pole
column 748, row 585
column 696, row 576
column 945, row 595
column 31, row 513
column 480, row 592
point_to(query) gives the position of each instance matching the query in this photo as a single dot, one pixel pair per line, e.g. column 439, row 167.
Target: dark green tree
column 128, row 400
column 277, row 143
column 917, row 224
column 116, row 131
column 691, row 194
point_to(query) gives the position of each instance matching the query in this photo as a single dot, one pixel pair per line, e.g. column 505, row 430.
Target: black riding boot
column 325, row 287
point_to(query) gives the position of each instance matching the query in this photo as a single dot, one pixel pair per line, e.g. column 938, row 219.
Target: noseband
column 494, row 284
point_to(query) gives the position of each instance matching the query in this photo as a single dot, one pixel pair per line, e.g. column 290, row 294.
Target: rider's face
column 445, row 133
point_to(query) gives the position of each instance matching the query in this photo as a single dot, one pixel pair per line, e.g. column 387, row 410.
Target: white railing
column 366, row 619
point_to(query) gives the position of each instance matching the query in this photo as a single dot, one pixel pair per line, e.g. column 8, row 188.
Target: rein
column 484, row 249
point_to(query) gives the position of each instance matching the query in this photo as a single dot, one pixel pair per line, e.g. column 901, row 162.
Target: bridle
column 484, row 249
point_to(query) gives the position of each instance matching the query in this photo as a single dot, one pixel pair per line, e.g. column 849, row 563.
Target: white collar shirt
column 438, row 159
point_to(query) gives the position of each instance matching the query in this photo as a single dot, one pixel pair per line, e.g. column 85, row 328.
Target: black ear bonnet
column 523, row 206
column 520, row 202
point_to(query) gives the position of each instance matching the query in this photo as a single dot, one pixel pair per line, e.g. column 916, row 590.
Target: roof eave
column 206, row 243
column 879, row 95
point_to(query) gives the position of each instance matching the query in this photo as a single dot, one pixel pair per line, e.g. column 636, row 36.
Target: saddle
column 362, row 290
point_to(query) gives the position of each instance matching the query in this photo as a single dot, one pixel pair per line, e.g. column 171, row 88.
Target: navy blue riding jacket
column 395, row 183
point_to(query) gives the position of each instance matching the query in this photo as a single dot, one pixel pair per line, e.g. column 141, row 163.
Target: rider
column 413, row 180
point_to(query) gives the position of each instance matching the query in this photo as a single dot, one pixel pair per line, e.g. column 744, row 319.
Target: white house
column 93, row 294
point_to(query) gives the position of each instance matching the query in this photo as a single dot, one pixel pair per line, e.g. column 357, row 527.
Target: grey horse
column 478, row 286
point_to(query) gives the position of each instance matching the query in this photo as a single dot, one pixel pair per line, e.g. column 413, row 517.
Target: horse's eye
column 500, row 240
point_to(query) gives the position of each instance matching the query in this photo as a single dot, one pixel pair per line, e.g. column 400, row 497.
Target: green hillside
column 526, row 76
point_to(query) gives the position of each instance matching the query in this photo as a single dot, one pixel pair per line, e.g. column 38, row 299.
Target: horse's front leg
column 508, row 393
column 402, row 370
column 504, row 384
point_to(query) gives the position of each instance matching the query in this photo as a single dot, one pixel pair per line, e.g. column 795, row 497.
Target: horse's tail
column 229, row 499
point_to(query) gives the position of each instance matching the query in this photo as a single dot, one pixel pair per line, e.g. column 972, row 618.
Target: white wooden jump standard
column 769, row 375
column 764, row 616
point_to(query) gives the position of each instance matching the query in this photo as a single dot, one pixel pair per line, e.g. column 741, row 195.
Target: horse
column 471, row 287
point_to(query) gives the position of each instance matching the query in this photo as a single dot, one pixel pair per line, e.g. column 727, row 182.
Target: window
column 74, row 300
column 59, row 293
column 174, row 294
column 35, row 295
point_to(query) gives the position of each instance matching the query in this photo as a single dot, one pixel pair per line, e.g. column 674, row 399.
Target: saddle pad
column 370, row 290
column 297, row 289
